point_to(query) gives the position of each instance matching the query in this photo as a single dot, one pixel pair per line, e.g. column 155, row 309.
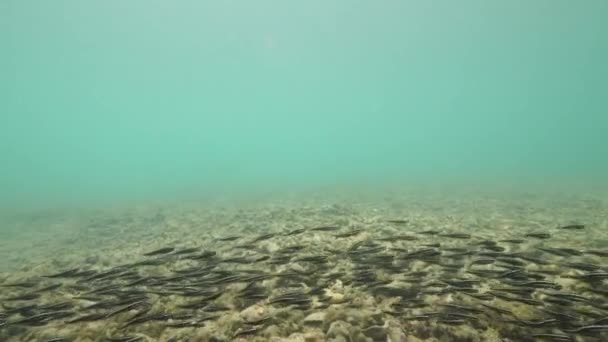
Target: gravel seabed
column 48, row 242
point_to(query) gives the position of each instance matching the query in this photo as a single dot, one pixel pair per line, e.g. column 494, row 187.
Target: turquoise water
column 312, row 170
column 119, row 100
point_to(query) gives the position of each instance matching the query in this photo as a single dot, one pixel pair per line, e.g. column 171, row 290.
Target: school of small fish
column 524, row 287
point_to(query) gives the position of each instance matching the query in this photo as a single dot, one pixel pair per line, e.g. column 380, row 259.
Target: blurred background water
column 109, row 101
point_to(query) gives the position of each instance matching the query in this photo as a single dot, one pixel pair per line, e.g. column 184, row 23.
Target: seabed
column 397, row 267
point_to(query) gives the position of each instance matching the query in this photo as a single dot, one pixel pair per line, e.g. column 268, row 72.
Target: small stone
column 315, row 318
column 297, row 268
column 338, row 328
column 376, row 332
column 254, row 313
column 336, row 298
column 314, row 337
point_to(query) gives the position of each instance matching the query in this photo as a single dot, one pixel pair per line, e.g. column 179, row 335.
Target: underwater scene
column 345, row 171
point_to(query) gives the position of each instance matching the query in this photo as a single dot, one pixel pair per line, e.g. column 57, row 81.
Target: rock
column 314, row 337
column 336, row 298
column 254, row 313
column 315, row 318
column 376, row 332
column 395, row 334
column 297, row 268
column 338, row 328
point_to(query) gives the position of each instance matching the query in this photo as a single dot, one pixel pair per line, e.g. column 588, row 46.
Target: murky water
column 428, row 138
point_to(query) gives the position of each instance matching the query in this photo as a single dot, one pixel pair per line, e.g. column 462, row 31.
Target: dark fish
column 533, row 260
column 247, row 331
column 186, row 251
column 260, row 258
column 486, row 261
column 573, row 227
column 325, row 228
column 562, row 316
column 480, row 296
column 56, row 339
column 203, row 255
column 295, row 232
column 588, row 329
column 399, row 238
column 397, row 221
column 189, row 322
column 553, row 337
column 538, row 235
column 84, row 273
column 597, row 252
column 420, row 253
column 89, row 318
column 150, row 262
column 25, row 284
column 498, row 309
column 26, row 296
column 104, row 275
column 461, row 282
column 313, row 259
column 514, row 241
column 185, row 324
column 451, row 321
column 505, row 297
column 43, row 318
column 456, row 249
column 486, row 243
column 263, row 237
column 465, row 308
column 417, row 318
column 212, row 307
column 537, row 323
column 600, row 321
column 125, row 339
column 158, row 316
column 582, row 266
column 48, row 288
column 259, row 321
column 599, row 275
column 228, row 238
column 237, row 260
column 429, row 232
column 511, row 261
column 23, row 310
column 554, row 251
column 160, row 251
column 570, row 251
column 453, row 315
column 510, row 274
column 203, row 301
column 126, row 308
column 56, row 306
column 541, row 284
column 568, row 296
column 65, row 274
column 494, row 248
column 103, row 289
column 515, row 290
column 280, row 260
column 558, row 301
column 291, row 249
column 456, row 235
column 348, row 234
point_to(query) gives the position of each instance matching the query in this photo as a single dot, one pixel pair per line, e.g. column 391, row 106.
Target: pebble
column 254, row 313
column 315, row 317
